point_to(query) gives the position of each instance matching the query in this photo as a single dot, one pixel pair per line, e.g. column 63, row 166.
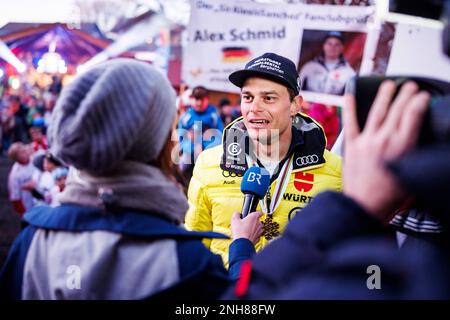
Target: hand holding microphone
column 254, row 187
column 249, row 227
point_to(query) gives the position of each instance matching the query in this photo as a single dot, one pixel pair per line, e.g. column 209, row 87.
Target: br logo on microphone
column 252, row 177
column 256, row 181
column 254, row 186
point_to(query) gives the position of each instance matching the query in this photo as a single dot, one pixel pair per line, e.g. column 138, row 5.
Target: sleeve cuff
column 240, row 250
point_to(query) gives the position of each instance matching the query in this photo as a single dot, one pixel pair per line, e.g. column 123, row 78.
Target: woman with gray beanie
column 117, row 233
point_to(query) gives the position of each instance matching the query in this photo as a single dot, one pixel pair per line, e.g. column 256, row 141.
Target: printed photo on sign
column 396, row 39
column 328, row 59
column 383, row 48
column 425, row 41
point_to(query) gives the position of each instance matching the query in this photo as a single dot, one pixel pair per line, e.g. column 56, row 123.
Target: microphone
column 254, row 186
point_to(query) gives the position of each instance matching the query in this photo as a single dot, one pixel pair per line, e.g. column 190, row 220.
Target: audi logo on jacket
column 214, row 192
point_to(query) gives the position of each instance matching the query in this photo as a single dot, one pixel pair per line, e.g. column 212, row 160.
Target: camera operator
column 340, row 247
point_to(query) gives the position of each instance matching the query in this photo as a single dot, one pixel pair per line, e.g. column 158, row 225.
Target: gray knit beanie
column 119, row 110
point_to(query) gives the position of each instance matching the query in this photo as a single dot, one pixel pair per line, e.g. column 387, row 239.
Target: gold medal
column 270, row 228
column 269, row 204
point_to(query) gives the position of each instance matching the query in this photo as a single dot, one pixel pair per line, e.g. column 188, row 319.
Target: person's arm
column 182, row 122
column 370, row 192
column 30, row 185
column 391, row 131
column 37, row 194
column 15, row 193
column 329, row 220
column 246, row 233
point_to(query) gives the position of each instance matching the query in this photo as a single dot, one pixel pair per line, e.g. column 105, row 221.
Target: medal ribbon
column 280, row 187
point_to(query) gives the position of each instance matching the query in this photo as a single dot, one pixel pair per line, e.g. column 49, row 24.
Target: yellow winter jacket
column 214, row 191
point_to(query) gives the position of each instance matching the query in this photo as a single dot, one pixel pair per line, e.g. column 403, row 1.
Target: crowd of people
column 124, row 217
column 36, row 177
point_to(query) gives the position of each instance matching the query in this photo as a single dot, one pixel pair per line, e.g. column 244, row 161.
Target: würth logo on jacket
column 303, row 181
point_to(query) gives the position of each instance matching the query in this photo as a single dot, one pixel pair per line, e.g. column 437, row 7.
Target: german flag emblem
column 236, row 54
column 303, row 181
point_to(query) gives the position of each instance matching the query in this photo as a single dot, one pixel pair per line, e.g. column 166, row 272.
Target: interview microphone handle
column 250, row 204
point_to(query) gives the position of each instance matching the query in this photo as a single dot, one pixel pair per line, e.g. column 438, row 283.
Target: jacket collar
column 308, row 145
column 341, row 61
column 131, row 186
column 77, row 218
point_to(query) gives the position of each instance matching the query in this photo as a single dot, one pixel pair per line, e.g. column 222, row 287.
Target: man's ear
column 296, row 105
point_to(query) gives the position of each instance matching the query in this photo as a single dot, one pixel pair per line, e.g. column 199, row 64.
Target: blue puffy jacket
column 199, row 123
column 335, row 250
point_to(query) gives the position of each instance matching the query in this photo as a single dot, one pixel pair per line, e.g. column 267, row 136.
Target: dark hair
column 199, row 92
column 292, row 94
column 38, row 162
column 53, row 159
column 224, row 102
column 164, row 162
column 36, row 128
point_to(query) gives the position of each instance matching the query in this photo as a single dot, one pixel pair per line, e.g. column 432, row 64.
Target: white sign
column 225, row 35
column 417, row 51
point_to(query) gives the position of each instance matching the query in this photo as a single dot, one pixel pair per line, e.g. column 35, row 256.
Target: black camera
column 436, row 124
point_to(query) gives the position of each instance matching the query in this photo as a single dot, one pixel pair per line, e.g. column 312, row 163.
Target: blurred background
column 45, row 44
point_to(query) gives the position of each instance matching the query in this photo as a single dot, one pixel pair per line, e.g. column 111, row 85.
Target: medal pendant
column 270, row 228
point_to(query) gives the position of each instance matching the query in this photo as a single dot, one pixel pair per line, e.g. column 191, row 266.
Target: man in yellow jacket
column 272, row 134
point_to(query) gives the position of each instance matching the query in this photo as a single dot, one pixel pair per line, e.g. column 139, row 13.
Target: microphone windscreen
column 256, row 181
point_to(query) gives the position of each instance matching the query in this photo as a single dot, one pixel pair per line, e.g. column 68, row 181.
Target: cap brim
column 239, row 77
